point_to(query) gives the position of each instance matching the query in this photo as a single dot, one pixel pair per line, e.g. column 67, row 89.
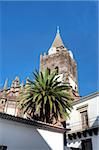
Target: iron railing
column 78, row 126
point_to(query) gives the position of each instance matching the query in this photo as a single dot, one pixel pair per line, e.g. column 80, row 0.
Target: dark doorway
column 75, row 148
column 3, row 147
column 87, row 144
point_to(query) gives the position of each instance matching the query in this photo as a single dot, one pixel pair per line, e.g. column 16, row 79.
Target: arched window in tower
column 48, row 70
column 57, row 69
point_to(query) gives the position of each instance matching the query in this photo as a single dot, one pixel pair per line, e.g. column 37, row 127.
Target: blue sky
column 28, row 29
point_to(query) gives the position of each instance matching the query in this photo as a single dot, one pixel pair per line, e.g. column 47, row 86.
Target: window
column 57, row 70
column 3, row 147
column 84, row 115
column 84, row 118
column 86, row 144
column 2, row 101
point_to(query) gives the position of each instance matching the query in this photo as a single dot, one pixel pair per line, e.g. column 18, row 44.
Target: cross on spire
column 58, row 29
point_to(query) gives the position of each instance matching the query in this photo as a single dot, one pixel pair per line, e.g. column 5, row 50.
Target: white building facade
column 21, row 134
column 84, row 124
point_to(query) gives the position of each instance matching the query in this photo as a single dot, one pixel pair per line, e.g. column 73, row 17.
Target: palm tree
column 46, row 97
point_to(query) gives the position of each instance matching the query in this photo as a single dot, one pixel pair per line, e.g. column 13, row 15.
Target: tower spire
column 58, row 40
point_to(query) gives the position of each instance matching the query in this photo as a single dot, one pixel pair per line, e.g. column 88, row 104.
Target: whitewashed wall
column 75, row 121
column 18, row 136
column 93, row 113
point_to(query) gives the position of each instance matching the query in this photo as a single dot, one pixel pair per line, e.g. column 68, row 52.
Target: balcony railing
column 79, row 126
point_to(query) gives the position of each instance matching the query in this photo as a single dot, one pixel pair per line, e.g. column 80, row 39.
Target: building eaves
column 38, row 124
column 85, row 98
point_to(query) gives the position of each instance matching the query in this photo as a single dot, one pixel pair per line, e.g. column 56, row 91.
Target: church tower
column 60, row 58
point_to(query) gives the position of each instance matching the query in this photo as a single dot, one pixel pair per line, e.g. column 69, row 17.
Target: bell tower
column 60, row 58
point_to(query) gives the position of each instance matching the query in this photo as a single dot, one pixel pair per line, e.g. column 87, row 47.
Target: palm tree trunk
column 41, row 112
column 47, row 112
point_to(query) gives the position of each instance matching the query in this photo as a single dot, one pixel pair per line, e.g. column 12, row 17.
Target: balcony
column 79, row 126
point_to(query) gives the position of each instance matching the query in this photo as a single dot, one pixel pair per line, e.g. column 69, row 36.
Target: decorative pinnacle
column 5, row 84
column 58, row 29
